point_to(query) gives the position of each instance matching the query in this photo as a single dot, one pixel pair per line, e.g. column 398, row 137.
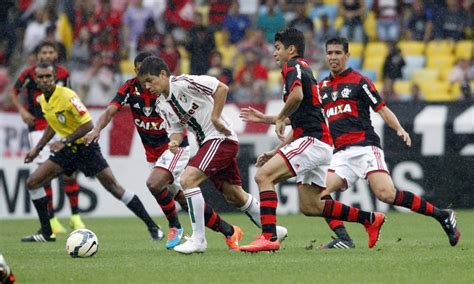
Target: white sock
column 37, row 193
column 252, row 210
column 127, row 197
column 196, row 211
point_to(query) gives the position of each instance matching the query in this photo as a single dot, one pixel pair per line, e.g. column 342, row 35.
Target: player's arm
column 392, row 121
column 26, row 116
column 175, row 140
column 253, row 115
column 104, row 120
column 291, row 104
column 263, row 158
column 48, row 134
column 220, row 97
column 81, row 131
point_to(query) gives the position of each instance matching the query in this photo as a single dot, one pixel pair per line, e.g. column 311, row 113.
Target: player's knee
column 154, row 186
column 386, row 195
column 261, row 178
column 32, row 183
column 187, row 182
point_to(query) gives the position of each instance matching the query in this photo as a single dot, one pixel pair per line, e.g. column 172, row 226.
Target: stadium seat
column 356, row 48
column 378, row 49
column 425, row 74
column 228, row 53
column 371, row 74
column 370, row 26
column 354, row 62
column 331, row 2
column 219, row 39
column 378, row 86
column 338, row 22
column 274, row 78
column 374, row 63
column 436, row 91
column 411, row 48
column 403, row 88
column 127, row 68
column 463, row 49
column 412, row 63
column 436, row 48
column 185, row 63
column 440, row 62
column 204, row 11
column 455, row 91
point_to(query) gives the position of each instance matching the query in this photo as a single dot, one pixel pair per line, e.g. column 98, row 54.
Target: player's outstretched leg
column 71, row 188
column 167, row 204
column 56, row 226
column 40, row 201
column 232, row 234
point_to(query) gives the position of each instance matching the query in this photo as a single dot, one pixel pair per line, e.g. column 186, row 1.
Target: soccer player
column 196, row 102
column 69, row 118
column 6, row 274
column 347, row 97
column 33, row 116
column 166, row 167
column 305, row 152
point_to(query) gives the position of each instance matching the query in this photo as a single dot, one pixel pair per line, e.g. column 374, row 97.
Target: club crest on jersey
column 334, row 96
column 60, row 117
column 182, row 98
column 345, row 92
column 147, row 110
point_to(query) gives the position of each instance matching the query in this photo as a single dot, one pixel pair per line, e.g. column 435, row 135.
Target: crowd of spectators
column 229, row 39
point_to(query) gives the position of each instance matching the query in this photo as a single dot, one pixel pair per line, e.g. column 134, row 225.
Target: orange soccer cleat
column 261, row 244
column 233, row 241
column 373, row 230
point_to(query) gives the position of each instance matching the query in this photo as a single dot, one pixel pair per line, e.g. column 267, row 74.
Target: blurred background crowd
column 413, row 50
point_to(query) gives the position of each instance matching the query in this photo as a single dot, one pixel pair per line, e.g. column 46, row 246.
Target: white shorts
column 308, row 159
column 357, row 162
column 35, row 137
column 174, row 164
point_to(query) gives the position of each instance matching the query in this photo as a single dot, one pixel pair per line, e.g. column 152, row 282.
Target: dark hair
column 44, row 44
column 291, row 36
column 338, row 40
column 46, row 65
column 153, row 65
column 141, row 56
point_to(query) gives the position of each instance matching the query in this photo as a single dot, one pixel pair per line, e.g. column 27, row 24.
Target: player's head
column 139, row 59
column 337, row 54
column 288, row 43
column 45, row 77
column 154, row 75
column 47, row 51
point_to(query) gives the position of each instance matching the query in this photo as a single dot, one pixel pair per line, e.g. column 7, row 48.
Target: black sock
column 41, row 206
column 167, row 203
column 137, row 207
column 216, row 223
column 336, row 226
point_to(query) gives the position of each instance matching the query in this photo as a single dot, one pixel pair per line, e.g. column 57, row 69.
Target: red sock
column 167, row 204
column 336, row 210
column 72, row 191
column 49, row 196
column 268, row 206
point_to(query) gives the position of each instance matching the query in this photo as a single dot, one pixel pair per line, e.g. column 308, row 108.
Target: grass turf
column 412, row 249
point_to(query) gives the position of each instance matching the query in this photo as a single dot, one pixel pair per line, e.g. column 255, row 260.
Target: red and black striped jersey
column 346, row 100
column 26, row 85
column 308, row 119
column 146, row 118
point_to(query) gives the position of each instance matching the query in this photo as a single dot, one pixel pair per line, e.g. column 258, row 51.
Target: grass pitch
column 412, row 249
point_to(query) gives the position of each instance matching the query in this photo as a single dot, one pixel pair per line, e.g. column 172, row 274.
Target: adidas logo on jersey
column 136, row 105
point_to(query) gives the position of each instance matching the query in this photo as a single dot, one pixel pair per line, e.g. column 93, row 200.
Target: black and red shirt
column 308, row 119
column 26, row 85
column 146, row 118
column 347, row 99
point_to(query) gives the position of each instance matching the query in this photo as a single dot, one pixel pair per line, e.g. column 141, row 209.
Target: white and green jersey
column 189, row 105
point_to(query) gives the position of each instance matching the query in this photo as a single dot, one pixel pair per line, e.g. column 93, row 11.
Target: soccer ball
column 82, row 243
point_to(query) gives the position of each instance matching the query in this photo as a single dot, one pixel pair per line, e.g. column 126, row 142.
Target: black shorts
column 87, row 159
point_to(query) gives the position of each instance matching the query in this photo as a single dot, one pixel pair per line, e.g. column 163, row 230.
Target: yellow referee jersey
column 64, row 112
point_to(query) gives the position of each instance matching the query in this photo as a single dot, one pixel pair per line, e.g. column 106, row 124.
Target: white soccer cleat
column 282, row 233
column 192, row 246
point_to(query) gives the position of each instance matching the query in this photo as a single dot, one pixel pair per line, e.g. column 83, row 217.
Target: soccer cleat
column 282, row 233
column 192, row 246
column 156, row 233
column 39, row 238
column 56, row 226
column 373, row 230
column 261, row 244
column 449, row 225
column 233, row 241
column 338, row 243
column 174, row 237
column 76, row 222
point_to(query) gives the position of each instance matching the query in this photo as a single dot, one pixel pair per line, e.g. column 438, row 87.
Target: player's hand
column 30, row 156
column 280, row 126
column 252, row 115
column 27, row 118
column 173, row 146
column 265, row 157
column 221, row 127
column 92, row 137
column 405, row 136
column 56, row 146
